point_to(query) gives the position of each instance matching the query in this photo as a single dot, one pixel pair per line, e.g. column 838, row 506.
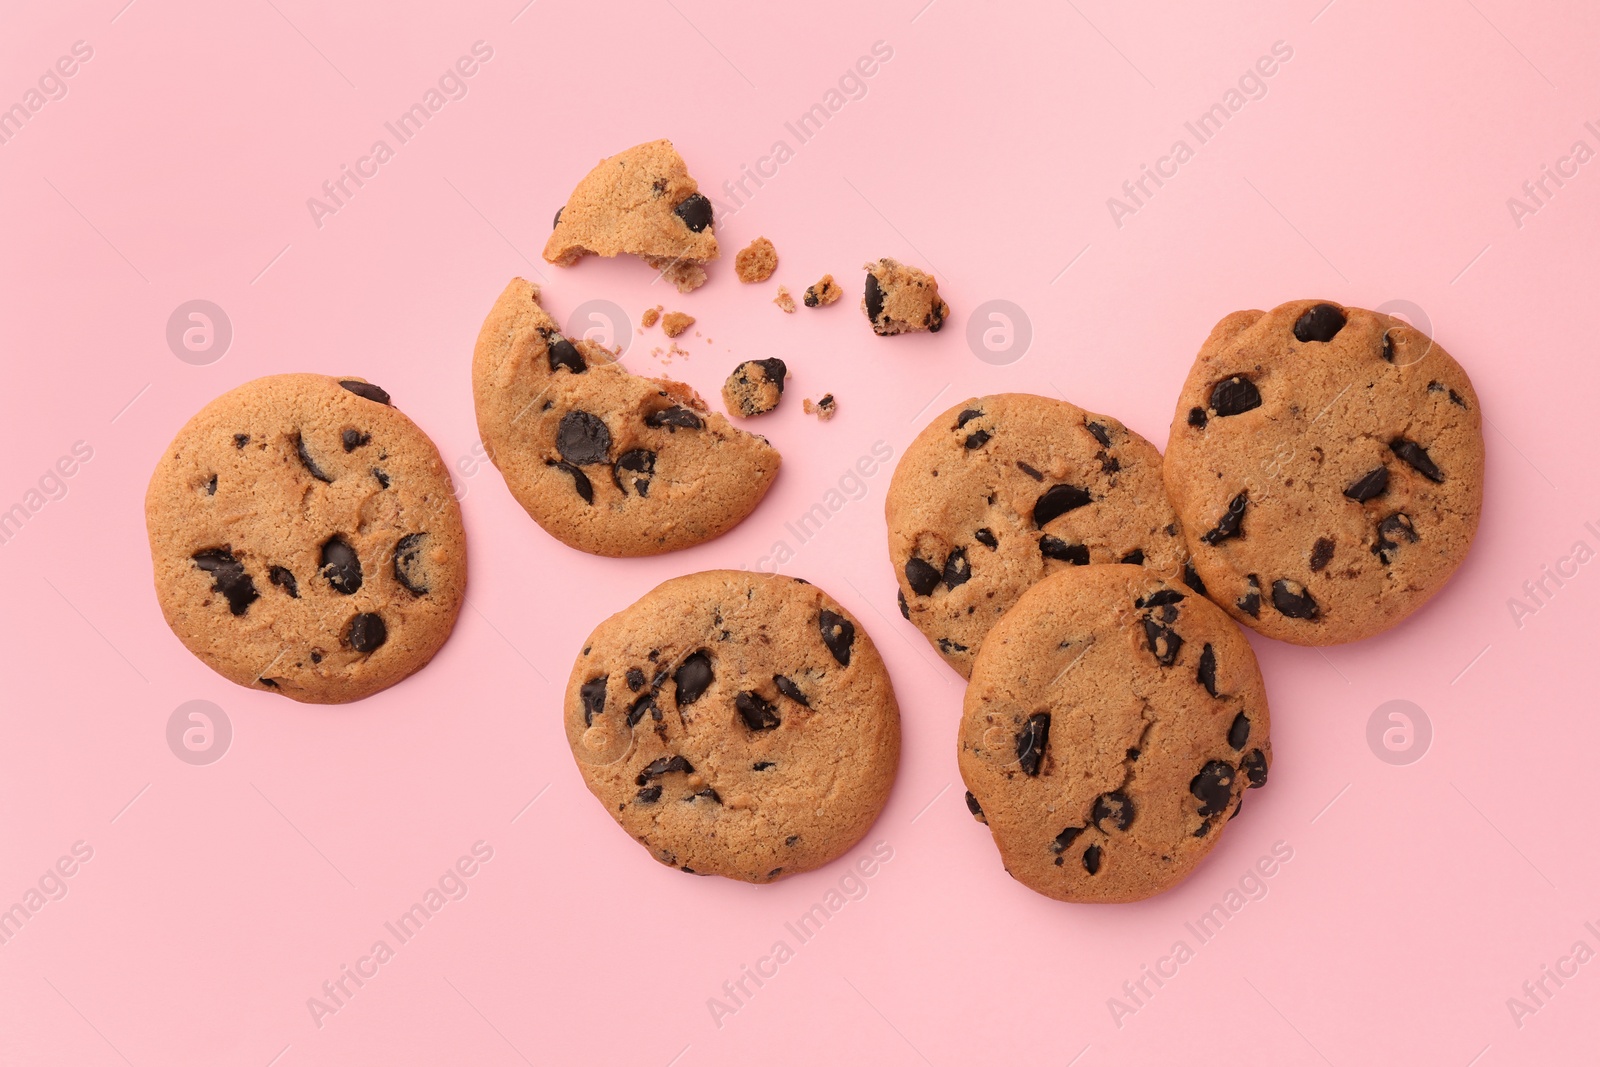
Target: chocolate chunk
column 1206, row 673
column 693, row 677
column 367, row 632
column 1065, row 838
column 838, row 633
column 1158, row 599
column 1213, row 787
column 1163, row 642
column 674, row 418
column 1234, row 396
column 408, row 569
column 1369, row 485
column 307, row 462
column 1254, row 767
column 1114, row 808
column 1250, row 603
column 1197, row 418
column 383, row 479
column 1100, row 433
column 636, row 466
column 764, row 765
column 695, row 211
column 1391, row 531
column 580, row 480
column 1055, row 548
column 1455, row 398
column 354, row 439
column 593, row 695
column 648, row 795
column 1191, row 578
column 757, row 714
column 1029, row 471
column 1230, row 523
column 711, row 794
column 240, row 440
column 978, row 439
column 973, row 806
column 635, row 678
column 663, row 765
column 1319, row 323
column 1294, row 600
column 642, row 706
column 1321, row 553
column 283, row 578
column 1417, row 457
column 1239, row 732
column 583, row 438
column 1031, row 739
column 905, row 609
column 563, row 353
column 1091, row 859
column 949, row 647
column 874, row 297
column 1388, row 348
column 986, row 538
column 1136, row 557
column 557, row 220
column 367, row 391
column 341, row 566
column 1057, row 501
column 966, row 416
column 228, row 577
column 921, row 576
column 790, row 690
column 956, row 568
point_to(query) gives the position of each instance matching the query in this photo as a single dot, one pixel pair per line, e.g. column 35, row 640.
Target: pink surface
column 1373, row 167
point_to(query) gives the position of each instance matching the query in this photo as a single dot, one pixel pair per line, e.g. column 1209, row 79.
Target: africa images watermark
column 51, row 487
column 51, row 885
column 1538, row 592
column 1538, row 191
column 50, row 86
column 1537, row 992
column 850, row 485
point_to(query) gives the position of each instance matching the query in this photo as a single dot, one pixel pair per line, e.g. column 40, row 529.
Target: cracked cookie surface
column 1000, row 491
column 606, row 461
column 735, row 724
column 1327, row 463
column 1111, row 726
column 306, row 539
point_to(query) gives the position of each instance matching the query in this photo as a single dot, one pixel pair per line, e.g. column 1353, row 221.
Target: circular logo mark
column 1399, row 732
column 999, row 332
column 198, row 732
column 602, row 322
column 199, row 332
column 1413, row 315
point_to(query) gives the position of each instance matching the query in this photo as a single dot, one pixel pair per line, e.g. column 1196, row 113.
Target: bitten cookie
column 606, row 461
column 1113, row 722
column 305, row 539
column 1000, row 491
column 902, row 299
column 641, row 202
column 735, row 724
column 1327, row 463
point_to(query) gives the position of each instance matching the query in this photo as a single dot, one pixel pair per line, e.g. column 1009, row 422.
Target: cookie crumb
column 650, row 316
column 902, row 299
column 756, row 262
column 784, row 301
column 755, row 386
column 824, row 409
column 825, row 292
column 674, row 323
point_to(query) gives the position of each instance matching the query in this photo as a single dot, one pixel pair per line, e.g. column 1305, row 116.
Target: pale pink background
column 1377, row 168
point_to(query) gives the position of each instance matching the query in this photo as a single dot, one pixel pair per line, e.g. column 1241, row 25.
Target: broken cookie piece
column 640, row 202
column 784, row 301
column 902, row 299
column 755, row 386
column 823, row 293
column 824, row 409
column 650, row 317
column 674, row 323
column 756, row 262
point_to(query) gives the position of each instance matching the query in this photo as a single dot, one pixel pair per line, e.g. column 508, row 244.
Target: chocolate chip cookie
column 606, row 461
column 1000, row 491
column 641, row 202
column 735, row 723
column 902, row 299
column 305, row 539
column 1113, row 722
column 755, row 386
column 1327, row 463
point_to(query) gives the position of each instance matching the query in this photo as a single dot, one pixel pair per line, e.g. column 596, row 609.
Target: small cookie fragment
column 902, row 299
column 650, row 317
column 784, row 301
column 826, row 291
column 755, row 386
column 756, row 262
column 824, row 409
column 674, row 323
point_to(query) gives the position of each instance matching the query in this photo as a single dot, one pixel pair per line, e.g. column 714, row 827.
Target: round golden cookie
column 735, row 723
column 1113, row 722
column 306, row 539
column 1327, row 463
column 606, row 461
column 1000, row 491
